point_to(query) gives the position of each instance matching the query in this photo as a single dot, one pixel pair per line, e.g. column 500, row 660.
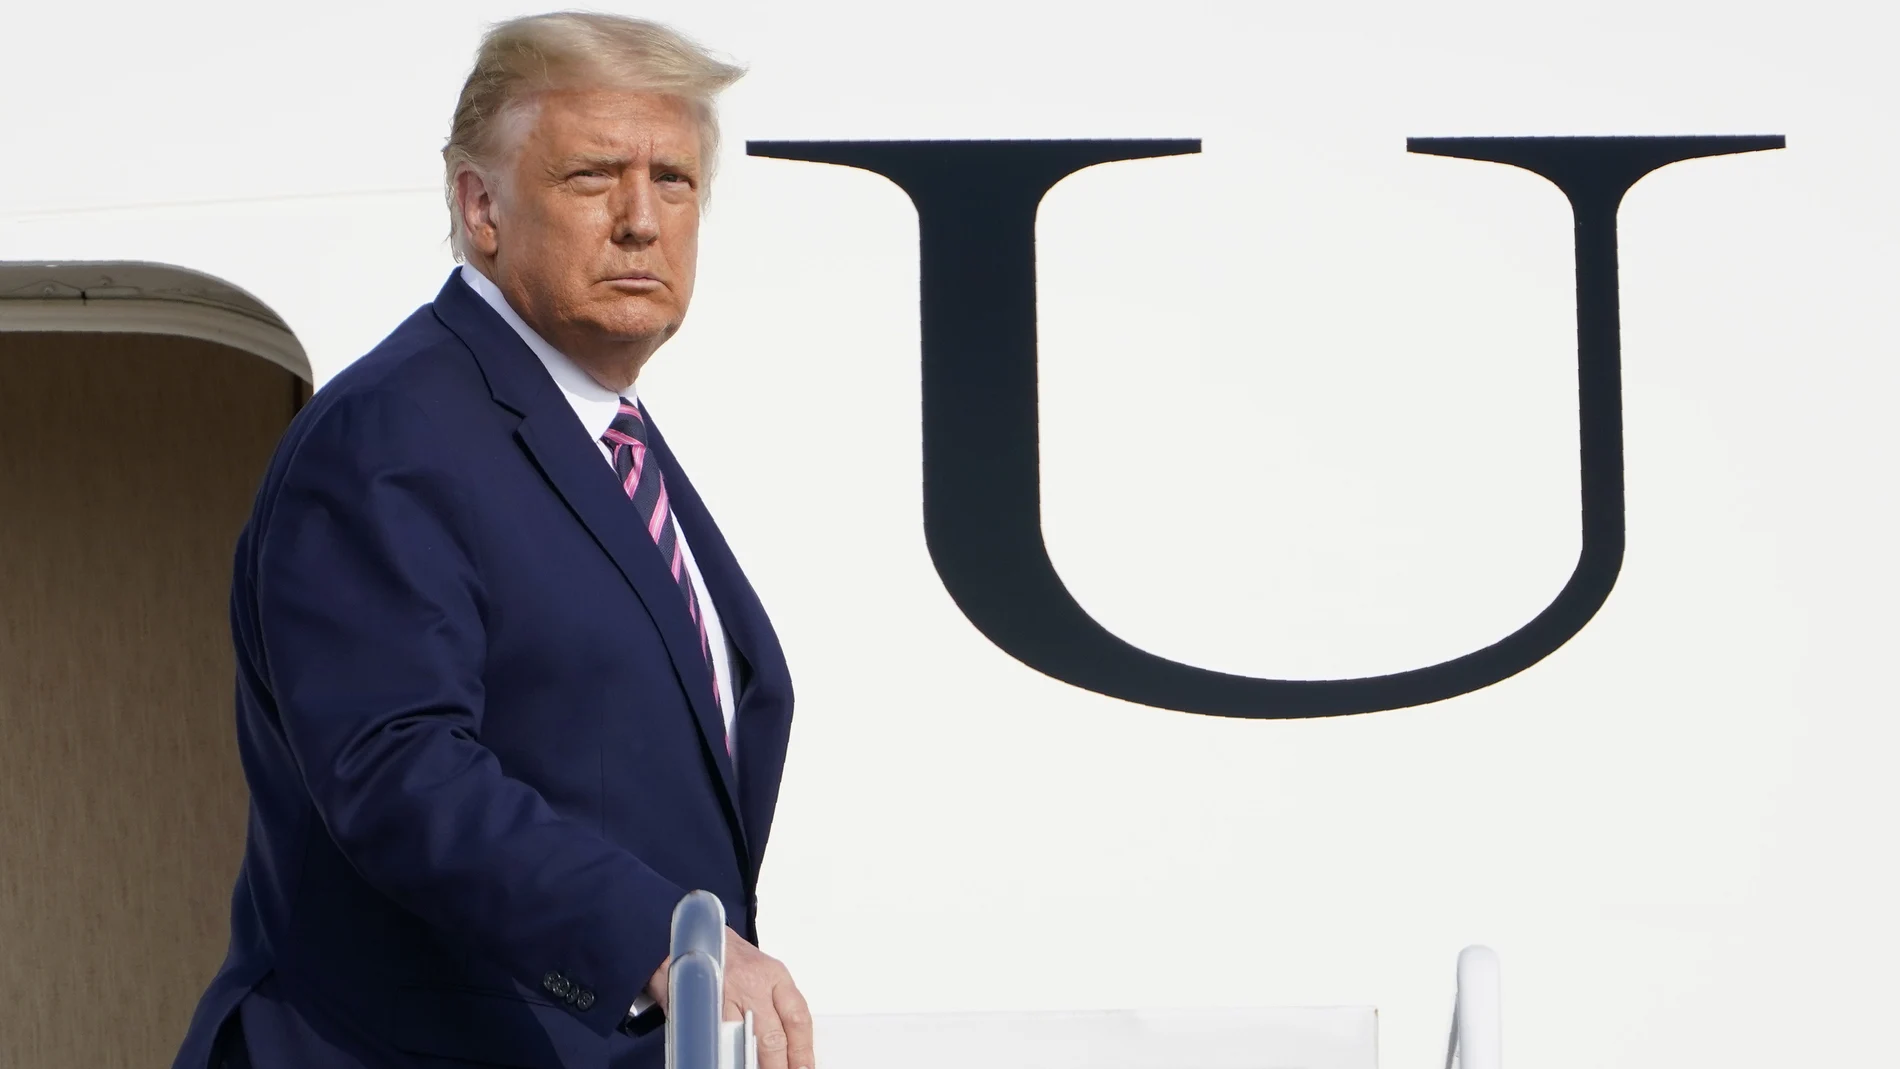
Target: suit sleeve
column 370, row 614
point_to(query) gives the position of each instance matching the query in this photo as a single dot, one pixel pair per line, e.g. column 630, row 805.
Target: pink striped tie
column 640, row 477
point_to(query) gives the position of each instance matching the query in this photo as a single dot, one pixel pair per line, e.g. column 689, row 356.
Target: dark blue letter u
column 976, row 207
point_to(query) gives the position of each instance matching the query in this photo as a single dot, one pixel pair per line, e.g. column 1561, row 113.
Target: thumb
column 657, row 988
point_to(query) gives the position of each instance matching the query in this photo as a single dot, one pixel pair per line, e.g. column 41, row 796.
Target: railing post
column 1477, row 1021
column 696, row 1037
column 696, row 982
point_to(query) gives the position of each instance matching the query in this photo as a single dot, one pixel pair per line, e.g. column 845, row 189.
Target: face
column 594, row 234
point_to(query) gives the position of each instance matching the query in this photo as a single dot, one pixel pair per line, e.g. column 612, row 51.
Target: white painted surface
column 1319, row 1038
column 1350, row 370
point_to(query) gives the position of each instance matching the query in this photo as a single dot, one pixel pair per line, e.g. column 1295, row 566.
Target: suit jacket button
column 585, row 1001
column 552, row 982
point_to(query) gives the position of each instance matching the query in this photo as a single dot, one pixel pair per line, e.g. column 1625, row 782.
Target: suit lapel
column 763, row 720
column 554, row 438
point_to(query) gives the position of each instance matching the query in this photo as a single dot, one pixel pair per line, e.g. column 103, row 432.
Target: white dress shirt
column 597, row 406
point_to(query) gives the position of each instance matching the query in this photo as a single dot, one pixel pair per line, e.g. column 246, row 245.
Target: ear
column 475, row 198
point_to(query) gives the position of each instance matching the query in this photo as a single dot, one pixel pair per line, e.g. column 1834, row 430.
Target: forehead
column 613, row 120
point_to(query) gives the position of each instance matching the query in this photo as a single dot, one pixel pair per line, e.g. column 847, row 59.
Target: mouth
column 635, row 283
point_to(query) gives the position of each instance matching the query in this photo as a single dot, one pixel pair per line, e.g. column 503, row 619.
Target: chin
column 639, row 324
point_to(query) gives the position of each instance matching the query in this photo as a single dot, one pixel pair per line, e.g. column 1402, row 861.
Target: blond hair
column 523, row 57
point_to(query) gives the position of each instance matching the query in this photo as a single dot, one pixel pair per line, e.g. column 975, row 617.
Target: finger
column 658, row 988
column 795, row 1016
column 733, row 1011
column 770, row 1033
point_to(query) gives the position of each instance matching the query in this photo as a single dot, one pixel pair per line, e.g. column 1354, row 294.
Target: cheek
column 563, row 229
column 685, row 256
column 545, row 232
column 582, row 233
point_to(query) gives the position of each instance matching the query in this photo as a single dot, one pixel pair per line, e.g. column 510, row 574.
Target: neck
column 614, row 371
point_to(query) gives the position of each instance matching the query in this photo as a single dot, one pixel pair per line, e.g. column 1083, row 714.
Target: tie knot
column 627, row 428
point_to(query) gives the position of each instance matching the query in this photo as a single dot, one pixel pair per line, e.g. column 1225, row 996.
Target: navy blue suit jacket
column 484, row 755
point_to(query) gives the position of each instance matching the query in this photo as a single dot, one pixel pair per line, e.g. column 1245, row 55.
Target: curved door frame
column 131, row 297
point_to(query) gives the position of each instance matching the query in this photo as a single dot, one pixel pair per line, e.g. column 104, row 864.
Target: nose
column 637, row 211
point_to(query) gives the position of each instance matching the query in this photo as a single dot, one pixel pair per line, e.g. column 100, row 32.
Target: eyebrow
column 597, row 161
column 607, row 162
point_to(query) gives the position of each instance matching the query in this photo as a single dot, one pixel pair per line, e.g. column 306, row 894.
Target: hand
column 755, row 981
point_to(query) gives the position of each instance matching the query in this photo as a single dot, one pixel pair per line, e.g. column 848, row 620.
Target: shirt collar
column 595, row 404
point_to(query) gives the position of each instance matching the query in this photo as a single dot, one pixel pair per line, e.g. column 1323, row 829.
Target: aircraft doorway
column 128, row 462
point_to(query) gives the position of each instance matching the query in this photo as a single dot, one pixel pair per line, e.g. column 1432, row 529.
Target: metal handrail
column 696, row 1035
column 698, row 1038
column 1477, row 1020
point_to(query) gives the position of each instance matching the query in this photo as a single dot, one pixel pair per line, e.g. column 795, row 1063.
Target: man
column 504, row 695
